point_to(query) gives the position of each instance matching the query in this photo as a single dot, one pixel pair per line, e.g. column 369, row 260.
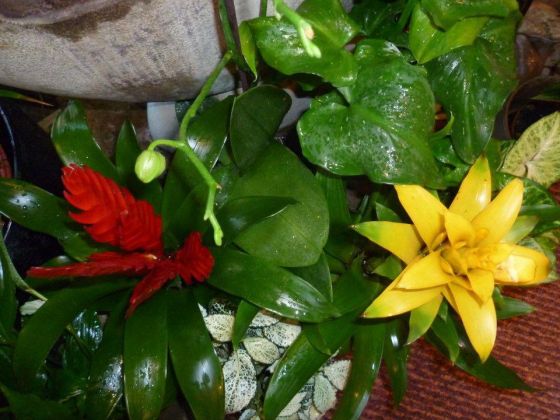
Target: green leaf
column 508, row 307
column 105, row 388
column 195, row 364
column 268, row 286
column 239, row 214
column 145, row 358
column 395, row 355
column 383, row 133
column 248, row 47
column 473, row 82
column 445, row 13
column 126, row 152
column 281, row 48
column 244, row 315
column 295, row 237
column 5, row 93
column 380, row 19
column 536, row 154
column 421, row 318
column 31, row 406
column 188, row 217
column 74, row 142
column 206, row 135
column 9, row 278
column 427, row 41
column 367, row 351
column 444, row 328
column 43, row 329
column 255, row 117
column 318, row 276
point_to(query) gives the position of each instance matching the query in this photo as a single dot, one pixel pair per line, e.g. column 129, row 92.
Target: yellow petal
column 426, row 272
column 426, row 212
column 395, row 301
column 498, row 217
column 482, row 283
column 475, row 191
column 400, row 239
column 478, row 318
column 522, row 266
column 459, row 230
column 422, row 317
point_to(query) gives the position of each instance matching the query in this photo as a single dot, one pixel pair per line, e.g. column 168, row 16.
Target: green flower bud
column 149, row 165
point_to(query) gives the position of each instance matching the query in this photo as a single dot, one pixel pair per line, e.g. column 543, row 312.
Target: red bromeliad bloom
column 111, row 215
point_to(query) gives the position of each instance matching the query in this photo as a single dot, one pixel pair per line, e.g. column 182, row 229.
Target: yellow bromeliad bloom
column 458, row 254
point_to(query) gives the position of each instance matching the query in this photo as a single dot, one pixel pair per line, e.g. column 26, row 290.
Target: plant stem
column 264, row 4
column 228, row 18
column 304, row 28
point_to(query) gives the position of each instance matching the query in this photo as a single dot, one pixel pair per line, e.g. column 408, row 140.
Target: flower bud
column 149, row 165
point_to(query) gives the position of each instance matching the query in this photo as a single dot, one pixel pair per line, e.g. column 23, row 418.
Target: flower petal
column 426, row 212
column 522, row 266
column 499, row 216
column 400, row 239
column 398, row 301
column 482, row 283
column 479, row 319
column 422, row 317
column 475, row 191
column 424, row 273
column 459, row 230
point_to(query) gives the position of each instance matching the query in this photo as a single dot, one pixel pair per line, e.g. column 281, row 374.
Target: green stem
column 264, row 4
column 304, row 28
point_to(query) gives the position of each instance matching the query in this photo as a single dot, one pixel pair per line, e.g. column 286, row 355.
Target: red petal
column 111, row 214
column 194, row 259
column 103, row 263
column 149, row 285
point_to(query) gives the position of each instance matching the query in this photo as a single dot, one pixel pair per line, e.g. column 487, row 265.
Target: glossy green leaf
column 126, row 152
column 248, row 47
column 195, row 364
column 281, row 48
column 383, row 133
column 74, row 142
column 9, row 277
column 444, row 328
column 380, row 19
column 508, row 307
column 206, row 135
column 445, row 13
column 239, row 214
column 295, row 237
column 255, row 117
column 421, row 318
column 31, row 406
column 367, row 351
column 395, row 355
column 243, row 317
column 188, row 217
column 268, row 286
column 427, row 41
column 145, row 358
column 473, row 82
column 5, row 93
column 317, row 275
column 301, row 361
column 105, row 388
column 43, row 329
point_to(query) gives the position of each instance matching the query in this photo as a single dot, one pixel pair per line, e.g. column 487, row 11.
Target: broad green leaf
column 317, row 275
column 301, row 361
column 188, row 217
column 508, row 307
column 255, row 117
column 195, row 364
column 243, row 316
column 380, row 19
column 126, row 152
column 206, row 135
column 536, row 155
column 74, row 142
column 31, row 406
column 105, row 388
column 444, row 328
column 383, row 133
column 239, row 214
column 367, row 351
column 445, row 13
column 427, row 41
column 281, row 48
column 473, row 82
column 295, row 237
column 145, row 358
column 248, row 47
column 421, row 319
column 395, row 355
column 43, row 329
column 268, row 286
column 9, row 278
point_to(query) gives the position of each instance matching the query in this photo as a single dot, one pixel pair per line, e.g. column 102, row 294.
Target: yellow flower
column 458, row 254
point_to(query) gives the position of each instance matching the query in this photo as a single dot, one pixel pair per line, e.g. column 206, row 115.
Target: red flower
column 113, row 216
